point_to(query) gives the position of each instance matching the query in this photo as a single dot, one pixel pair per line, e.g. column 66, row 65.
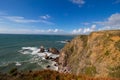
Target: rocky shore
column 50, row 55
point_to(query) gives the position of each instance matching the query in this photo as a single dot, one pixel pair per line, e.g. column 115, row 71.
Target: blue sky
column 58, row 16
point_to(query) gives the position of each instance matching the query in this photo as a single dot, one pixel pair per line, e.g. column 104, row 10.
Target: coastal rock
column 53, row 50
column 48, row 66
column 42, row 49
column 67, row 41
column 96, row 54
column 55, row 64
column 46, row 56
column 56, row 59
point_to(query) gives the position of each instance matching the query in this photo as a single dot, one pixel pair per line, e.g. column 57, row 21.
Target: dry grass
column 47, row 75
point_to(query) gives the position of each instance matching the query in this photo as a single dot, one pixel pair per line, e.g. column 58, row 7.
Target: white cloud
column 20, row 19
column 45, row 17
column 93, row 26
column 31, row 31
column 75, row 31
column 84, row 30
column 54, row 30
column 46, row 22
column 79, row 2
column 113, row 22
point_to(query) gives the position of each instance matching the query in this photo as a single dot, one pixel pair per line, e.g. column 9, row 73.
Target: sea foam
column 39, row 57
column 18, row 64
column 64, row 42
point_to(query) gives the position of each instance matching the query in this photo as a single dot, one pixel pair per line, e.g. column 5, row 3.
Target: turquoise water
column 10, row 45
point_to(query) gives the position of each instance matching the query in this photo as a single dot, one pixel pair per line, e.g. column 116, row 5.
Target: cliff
column 96, row 54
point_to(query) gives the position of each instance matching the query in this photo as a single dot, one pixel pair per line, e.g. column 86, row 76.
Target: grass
column 115, row 71
column 91, row 71
column 117, row 45
column 48, row 75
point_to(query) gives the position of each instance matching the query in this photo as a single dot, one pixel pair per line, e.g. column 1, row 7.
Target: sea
column 22, row 51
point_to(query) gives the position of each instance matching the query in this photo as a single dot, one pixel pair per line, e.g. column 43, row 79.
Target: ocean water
column 21, row 51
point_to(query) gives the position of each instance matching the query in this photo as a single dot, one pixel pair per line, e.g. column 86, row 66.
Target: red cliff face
column 97, row 54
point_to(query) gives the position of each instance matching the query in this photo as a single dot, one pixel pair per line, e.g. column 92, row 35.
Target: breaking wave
column 39, row 58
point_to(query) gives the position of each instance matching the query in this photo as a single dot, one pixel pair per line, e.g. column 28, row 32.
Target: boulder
column 50, row 58
column 56, row 59
column 42, row 49
column 46, row 56
column 48, row 66
column 53, row 50
column 67, row 41
column 55, row 64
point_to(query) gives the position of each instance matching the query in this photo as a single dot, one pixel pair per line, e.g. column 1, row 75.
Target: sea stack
column 53, row 50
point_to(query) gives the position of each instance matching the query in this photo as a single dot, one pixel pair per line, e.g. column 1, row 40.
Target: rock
column 42, row 49
column 46, row 56
column 48, row 66
column 53, row 50
column 50, row 58
column 56, row 59
column 67, row 41
column 30, row 71
column 55, row 64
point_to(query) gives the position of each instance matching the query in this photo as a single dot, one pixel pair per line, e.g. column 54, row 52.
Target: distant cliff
column 97, row 54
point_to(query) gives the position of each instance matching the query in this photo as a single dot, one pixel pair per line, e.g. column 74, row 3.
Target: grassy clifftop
column 45, row 75
column 97, row 54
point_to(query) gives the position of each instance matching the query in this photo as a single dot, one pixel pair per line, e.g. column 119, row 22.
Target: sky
column 58, row 16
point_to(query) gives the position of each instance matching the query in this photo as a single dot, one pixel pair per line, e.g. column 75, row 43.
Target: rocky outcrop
column 53, row 50
column 97, row 54
column 42, row 49
column 56, row 59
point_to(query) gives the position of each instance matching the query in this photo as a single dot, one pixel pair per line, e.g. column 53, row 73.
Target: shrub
column 13, row 72
column 115, row 71
column 117, row 45
column 91, row 71
column 51, row 75
column 107, row 53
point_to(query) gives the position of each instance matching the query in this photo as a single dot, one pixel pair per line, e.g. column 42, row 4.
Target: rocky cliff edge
column 96, row 54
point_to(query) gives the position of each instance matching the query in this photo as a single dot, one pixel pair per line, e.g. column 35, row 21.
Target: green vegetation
column 84, row 38
column 13, row 72
column 91, row 71
column 115, row 71
column 71, row 49
column 107, row 53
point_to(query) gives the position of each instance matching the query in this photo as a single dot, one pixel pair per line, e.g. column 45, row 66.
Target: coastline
column 12, row 54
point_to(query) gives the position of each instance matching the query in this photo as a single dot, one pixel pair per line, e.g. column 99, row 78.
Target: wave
column 18, row 64
column 36, row 51
column 39, row 57
column 64, row 42
column 29, row 48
